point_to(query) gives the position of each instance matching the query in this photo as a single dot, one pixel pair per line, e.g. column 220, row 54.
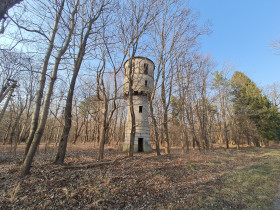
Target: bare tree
column 202, row 104
column 187, row 89
column 25, row 168
column 182, row 109
column 39, row 95
column 273, row 93
column 87, row 26
column 13, row 65
column 222, row 85
column 151, row 109
column 21, row 105
column 104, row 96
column 16, row 79
column 175, row 31
column 79, row 122
column 9, row 90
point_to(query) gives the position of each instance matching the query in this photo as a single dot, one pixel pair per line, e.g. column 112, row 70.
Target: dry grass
column 217, row 179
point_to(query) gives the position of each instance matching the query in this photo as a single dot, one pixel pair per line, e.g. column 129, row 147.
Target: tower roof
column 144, row 58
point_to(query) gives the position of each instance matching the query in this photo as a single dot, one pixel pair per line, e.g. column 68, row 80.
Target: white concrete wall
column 139, row 77
column 142, row 121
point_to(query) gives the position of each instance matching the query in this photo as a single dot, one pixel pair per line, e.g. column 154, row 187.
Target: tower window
column 146, row 67
column 140, row 109
column 146, row 83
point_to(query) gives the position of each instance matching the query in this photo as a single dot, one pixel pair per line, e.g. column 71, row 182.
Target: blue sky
column 241, row 34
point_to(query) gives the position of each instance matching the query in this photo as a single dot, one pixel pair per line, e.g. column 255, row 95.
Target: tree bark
column 131, row 108
column 155, row 127
column 59, row 159
column 40, row 91
column 25, row 168
column 104, row 127
column 7, row 102
column 165, row 113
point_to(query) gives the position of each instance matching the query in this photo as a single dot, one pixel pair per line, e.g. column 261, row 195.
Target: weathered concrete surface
column 146, row 147
column 143, row 83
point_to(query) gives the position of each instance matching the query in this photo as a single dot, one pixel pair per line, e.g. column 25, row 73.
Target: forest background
column 62, row 78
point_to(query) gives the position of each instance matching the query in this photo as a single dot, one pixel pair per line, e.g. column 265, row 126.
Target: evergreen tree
column 253, row 111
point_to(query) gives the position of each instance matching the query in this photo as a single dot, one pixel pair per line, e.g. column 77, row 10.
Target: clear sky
column 241, row 34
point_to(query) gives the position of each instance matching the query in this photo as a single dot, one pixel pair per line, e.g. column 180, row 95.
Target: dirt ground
column 146, row 181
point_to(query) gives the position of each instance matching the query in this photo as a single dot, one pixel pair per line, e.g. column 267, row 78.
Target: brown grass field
column 220, row 179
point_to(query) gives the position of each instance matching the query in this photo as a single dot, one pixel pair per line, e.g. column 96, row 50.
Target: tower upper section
column 142, row 76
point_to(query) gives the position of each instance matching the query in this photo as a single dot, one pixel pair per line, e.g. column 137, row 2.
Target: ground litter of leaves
column 146, row 181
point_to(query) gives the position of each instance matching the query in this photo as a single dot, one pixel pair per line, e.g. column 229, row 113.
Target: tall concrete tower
column 143, row 84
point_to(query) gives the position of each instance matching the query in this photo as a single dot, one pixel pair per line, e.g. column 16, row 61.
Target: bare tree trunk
column 25, row 168
column 166, row 133
column 131, row 108
column 7, row 133
column 155, row 127
column 183, row 108
column 201, row 110
column 77, row 65
column 220, row 82
column 6, row 90
column 120, row 130
column 68, row 121
column 7, row 102
column 86, row 139
column 191, row 121
column 40, row 91
column 14, row 134
column 165, row 110
column 104, row 127
column 114, row 138
column 79, row 125
column 186, row 137
column 226, row 134
column 224, row 117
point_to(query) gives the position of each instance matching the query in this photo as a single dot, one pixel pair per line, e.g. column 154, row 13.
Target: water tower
column 143, row 84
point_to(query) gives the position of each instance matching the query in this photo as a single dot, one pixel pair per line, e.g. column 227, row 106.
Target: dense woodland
column 61, row 79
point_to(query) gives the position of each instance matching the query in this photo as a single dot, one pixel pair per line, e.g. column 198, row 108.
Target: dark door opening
column 140, row 145
column 140, row 109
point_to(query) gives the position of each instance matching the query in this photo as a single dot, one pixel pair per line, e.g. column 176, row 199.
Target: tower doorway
column 140, row 145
